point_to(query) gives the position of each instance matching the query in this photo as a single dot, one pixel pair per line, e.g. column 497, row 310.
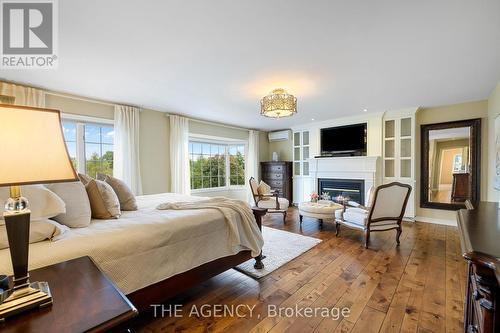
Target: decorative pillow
column 43, row 203
column 263, row 188
column 84, row 178
column 39, row 231
column 123, row 192
column 104, row 203
column 78, row 213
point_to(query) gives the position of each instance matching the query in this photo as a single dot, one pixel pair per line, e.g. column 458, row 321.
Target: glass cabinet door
column 301, row 153
column 296, row 139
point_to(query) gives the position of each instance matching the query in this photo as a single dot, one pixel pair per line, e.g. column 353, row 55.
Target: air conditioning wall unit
column 279, row 135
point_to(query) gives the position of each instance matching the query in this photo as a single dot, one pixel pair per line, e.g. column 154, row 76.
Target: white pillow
column 77, row 202
column 39, row 231
column 43, row 203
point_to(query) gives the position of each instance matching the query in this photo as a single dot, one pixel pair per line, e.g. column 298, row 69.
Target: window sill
column 219, row 189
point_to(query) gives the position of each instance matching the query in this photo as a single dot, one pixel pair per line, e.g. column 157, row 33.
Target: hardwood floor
column 417, row 287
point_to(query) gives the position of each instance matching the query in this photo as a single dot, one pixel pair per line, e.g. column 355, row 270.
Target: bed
column 153, row 254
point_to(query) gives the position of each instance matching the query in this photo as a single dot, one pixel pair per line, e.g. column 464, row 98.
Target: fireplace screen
column 354, row 189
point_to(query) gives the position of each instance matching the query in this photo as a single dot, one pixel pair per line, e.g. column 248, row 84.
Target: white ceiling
column 215, row 59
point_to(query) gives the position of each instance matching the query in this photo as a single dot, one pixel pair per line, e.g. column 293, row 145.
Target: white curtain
column 252, row 161
column 179, row 154
column 126, row 164
column 21, row 95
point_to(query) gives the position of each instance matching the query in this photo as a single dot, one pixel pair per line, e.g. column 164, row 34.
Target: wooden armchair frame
column 373, row 221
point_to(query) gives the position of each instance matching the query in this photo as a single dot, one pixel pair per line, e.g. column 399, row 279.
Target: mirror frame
column 475, row 153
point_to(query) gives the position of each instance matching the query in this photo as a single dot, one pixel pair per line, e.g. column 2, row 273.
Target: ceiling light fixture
column 278, row 104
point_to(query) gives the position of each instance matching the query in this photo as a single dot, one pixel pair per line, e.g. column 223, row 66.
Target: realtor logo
column 29, row 34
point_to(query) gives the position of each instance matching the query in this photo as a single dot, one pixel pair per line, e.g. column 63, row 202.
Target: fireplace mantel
column 367, row 168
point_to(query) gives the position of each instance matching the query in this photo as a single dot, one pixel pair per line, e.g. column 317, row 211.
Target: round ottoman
column 321, row 210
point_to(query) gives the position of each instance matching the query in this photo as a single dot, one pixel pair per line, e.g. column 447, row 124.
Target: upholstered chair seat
column 270, row 203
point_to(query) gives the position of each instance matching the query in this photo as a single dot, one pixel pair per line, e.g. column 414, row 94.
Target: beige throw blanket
column 230, row 209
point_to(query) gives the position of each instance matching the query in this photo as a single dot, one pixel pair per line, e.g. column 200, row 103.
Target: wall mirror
column 450, row 164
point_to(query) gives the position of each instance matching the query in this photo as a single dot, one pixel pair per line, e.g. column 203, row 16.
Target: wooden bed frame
column 161, row 291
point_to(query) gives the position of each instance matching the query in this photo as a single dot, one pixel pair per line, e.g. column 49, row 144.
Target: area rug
column 280, row 247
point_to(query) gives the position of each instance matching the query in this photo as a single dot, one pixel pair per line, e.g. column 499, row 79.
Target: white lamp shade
column 32, row 148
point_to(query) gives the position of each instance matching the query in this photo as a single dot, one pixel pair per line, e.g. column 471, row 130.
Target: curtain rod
column 213, row 123
column 85, row 99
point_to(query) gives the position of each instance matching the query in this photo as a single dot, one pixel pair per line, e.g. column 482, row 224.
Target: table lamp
column 32, row 151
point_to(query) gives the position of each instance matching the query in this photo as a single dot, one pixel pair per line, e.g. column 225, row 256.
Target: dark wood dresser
column 479, row 231
column 278, row 175
column 460, row 190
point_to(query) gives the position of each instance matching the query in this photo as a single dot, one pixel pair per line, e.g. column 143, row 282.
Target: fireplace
column 352, row 188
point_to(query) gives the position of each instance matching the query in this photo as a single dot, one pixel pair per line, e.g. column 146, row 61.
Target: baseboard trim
column 432, row 220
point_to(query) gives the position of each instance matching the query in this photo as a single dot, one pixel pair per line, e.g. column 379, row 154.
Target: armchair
column 385, row 212
column 271, row 201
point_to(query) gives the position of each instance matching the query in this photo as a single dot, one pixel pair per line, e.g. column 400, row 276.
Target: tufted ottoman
column 321, row 210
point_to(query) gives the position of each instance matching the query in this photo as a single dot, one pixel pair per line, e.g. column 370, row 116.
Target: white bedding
column 145, row 246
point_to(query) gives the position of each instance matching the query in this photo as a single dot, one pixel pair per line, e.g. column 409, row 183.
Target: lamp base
column 17, row 300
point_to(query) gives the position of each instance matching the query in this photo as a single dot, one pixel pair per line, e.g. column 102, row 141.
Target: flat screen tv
column 347, row 140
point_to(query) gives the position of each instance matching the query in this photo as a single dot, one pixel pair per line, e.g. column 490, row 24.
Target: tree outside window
column 90, row 147
column 216, row 165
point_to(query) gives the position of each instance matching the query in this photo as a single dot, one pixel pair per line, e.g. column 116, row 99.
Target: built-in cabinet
column 301, row 172
column 398, row 160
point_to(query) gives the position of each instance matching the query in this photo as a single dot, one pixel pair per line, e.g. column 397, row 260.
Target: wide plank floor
column 416, row 287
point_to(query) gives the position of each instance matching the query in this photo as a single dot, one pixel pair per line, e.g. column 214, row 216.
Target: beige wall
column 447, row 113
column 78, row 106
column 154, row 152
column 283, row 148
column 263, row 148
column 203, row 128
column 493, row 112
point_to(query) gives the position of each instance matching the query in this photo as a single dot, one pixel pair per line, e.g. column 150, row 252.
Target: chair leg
column 337, row 229
column 367, row 238
column 321, row 223
column 301, row 218
column 398, row 233
column 284, row 217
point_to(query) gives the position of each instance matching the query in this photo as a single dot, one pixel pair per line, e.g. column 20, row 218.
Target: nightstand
column 85, row 300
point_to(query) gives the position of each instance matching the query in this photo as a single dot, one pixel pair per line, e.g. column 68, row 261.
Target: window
column 69, row 130
column 237, row 165
column 216, row 165
column 457, row 163
column 90, row 146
